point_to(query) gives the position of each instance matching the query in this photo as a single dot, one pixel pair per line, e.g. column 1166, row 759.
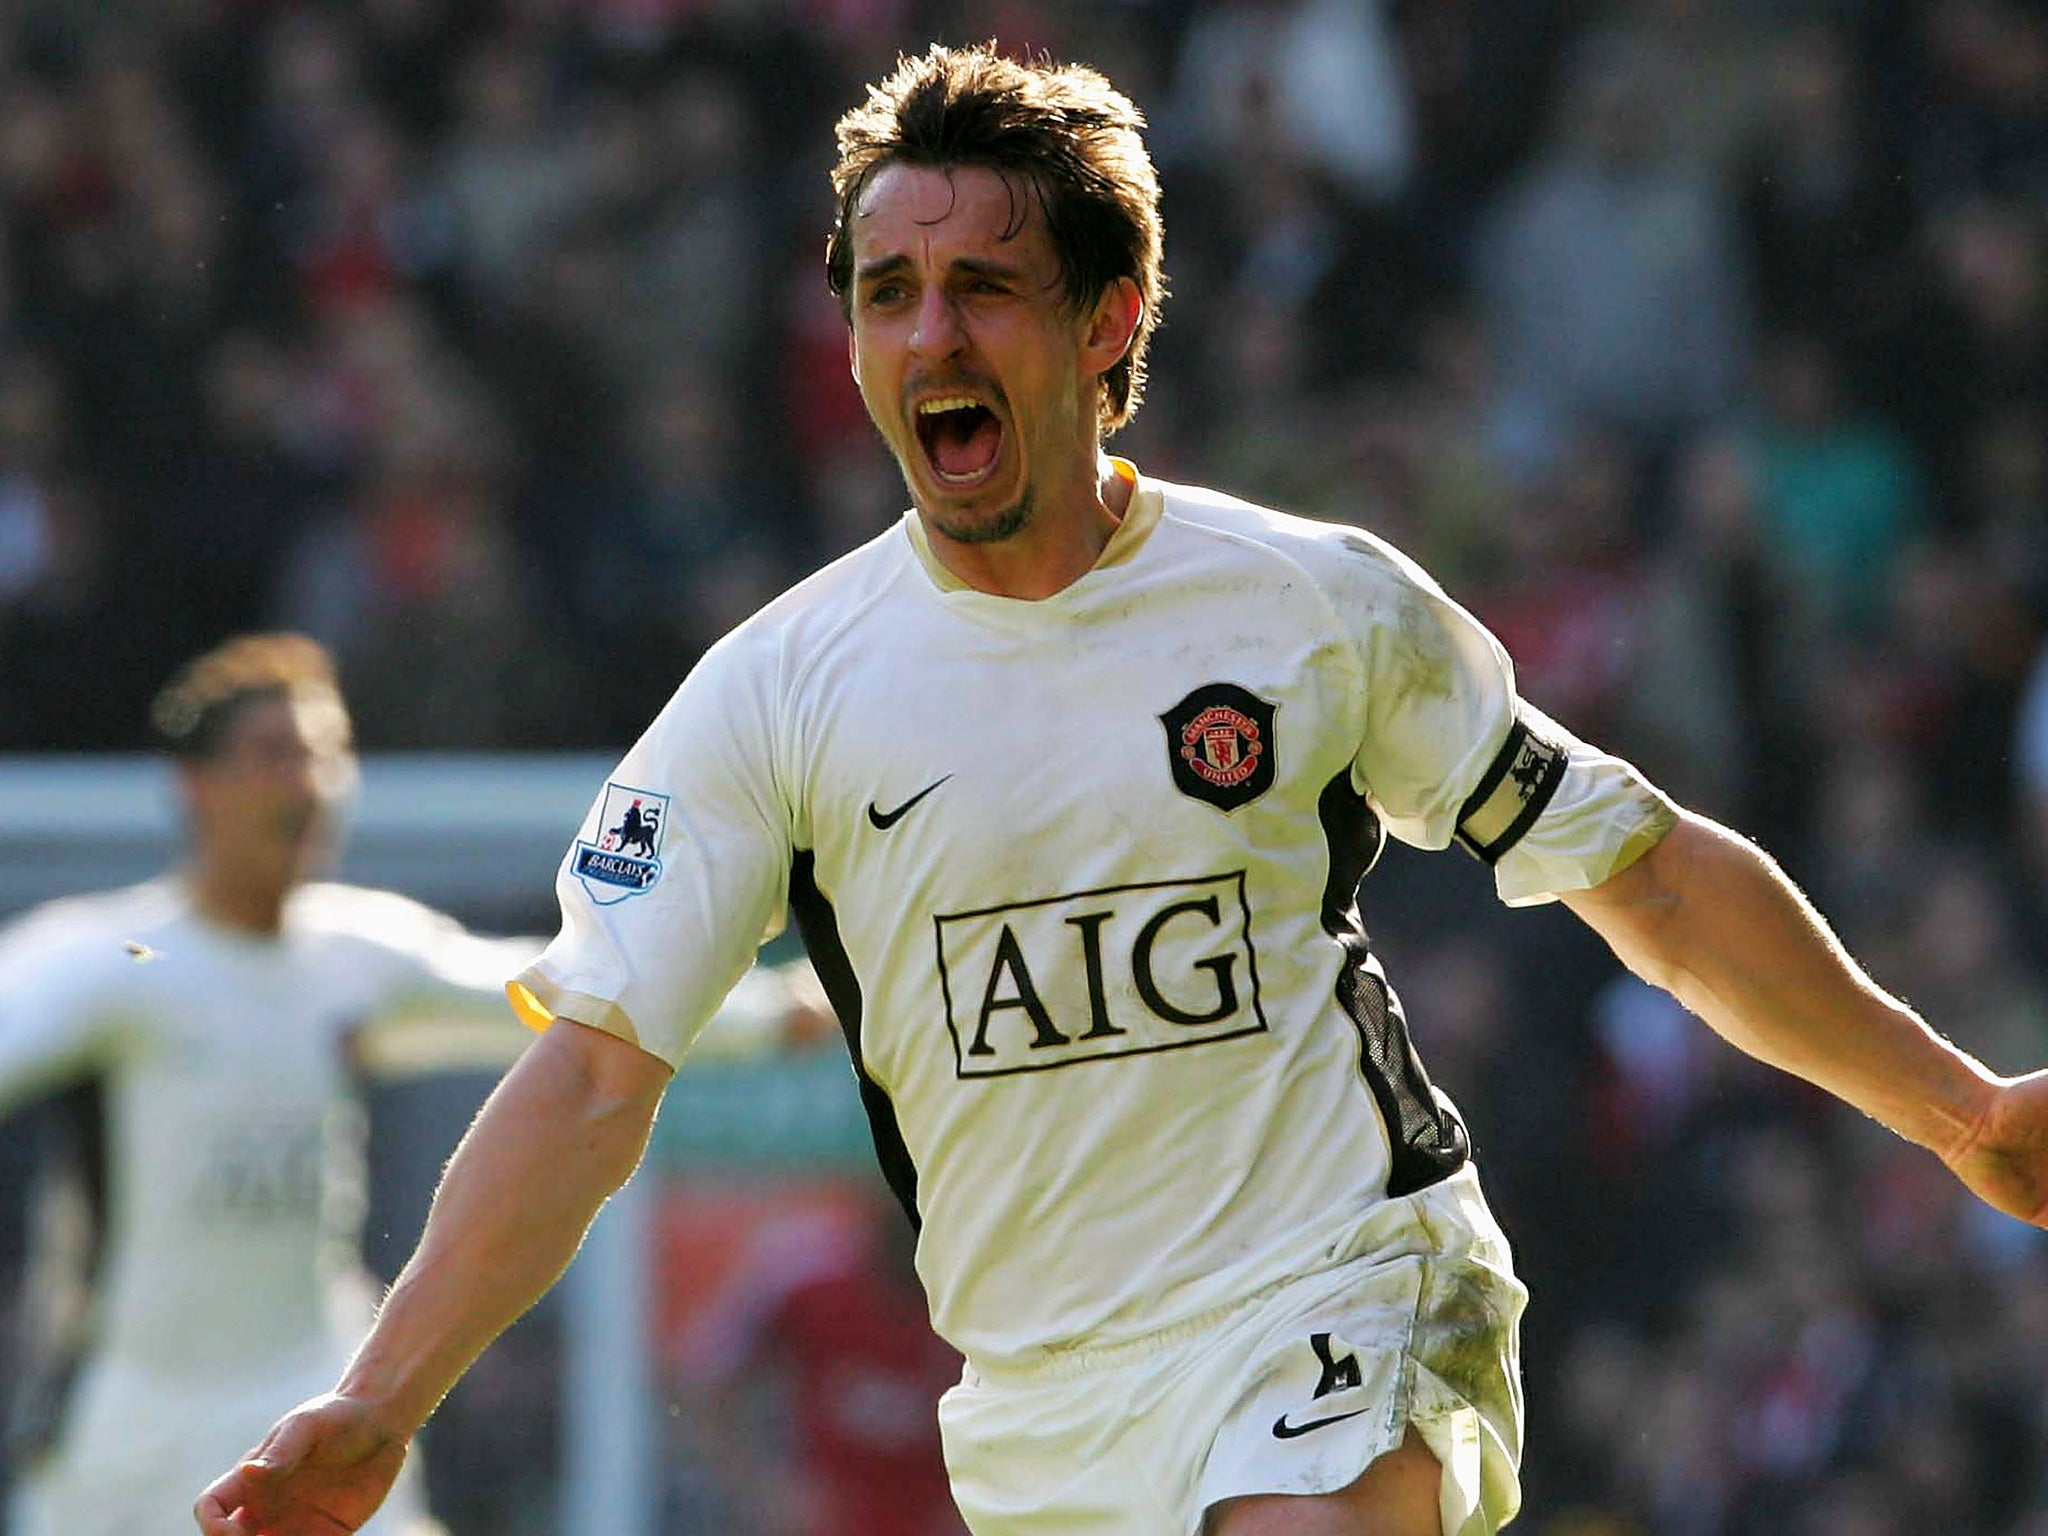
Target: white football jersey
column 230, row 1284
column 230, row 1064
column 1079, row 874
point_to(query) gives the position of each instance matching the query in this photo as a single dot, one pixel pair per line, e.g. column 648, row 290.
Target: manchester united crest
column 1219, row 742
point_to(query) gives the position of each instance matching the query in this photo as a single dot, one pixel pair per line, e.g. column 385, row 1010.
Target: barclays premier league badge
column 625, row 859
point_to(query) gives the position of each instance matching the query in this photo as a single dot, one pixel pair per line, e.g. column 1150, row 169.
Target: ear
column 1111, row 325
column 852, row 356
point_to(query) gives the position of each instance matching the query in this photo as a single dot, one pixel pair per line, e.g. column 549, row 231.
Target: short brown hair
column 190, row 717
column 1064, row 130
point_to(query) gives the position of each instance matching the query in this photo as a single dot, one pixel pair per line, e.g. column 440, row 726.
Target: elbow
column 1654, row 964
column 1693, row 915
column 1644, row 912
column 610, row 1090
column 616, row 1125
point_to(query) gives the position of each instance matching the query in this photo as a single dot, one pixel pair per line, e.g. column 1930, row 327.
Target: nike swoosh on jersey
column 1282, row 1430
column 884, row 820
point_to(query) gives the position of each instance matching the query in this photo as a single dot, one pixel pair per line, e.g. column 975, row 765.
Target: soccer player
column 1070, row 779
column 229, row 1010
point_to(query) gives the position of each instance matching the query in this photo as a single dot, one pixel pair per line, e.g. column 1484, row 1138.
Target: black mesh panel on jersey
column 1429, row 1141
column 69, row 1133
column 819, row 925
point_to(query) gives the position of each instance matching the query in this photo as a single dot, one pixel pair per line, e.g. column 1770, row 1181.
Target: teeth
column 946, row 403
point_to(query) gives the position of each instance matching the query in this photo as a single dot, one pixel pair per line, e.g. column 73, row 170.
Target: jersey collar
column 1140, row 518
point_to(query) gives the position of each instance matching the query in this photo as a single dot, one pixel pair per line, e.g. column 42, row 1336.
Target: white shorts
column 1298, row 1389
column 136, row 1451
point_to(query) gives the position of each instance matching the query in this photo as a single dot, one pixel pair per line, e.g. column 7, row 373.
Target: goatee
column 1005, row 524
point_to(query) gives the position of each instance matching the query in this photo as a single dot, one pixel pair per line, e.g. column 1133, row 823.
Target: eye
column 885, row 292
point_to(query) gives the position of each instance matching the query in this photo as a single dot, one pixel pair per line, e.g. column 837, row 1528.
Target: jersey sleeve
column 1451, row 752
column 440, row 989
column 679, row 872
column 53, row 1026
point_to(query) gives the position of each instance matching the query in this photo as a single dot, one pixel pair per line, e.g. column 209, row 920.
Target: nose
column 937, row 332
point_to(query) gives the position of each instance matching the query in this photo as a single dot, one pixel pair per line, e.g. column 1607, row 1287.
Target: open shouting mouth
column 961, row 437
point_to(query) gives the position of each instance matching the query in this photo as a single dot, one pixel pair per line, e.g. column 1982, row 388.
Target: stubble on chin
column 988, row 528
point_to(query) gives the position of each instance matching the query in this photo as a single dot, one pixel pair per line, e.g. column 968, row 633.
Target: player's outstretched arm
column 1710, row 918
column 563, row 1130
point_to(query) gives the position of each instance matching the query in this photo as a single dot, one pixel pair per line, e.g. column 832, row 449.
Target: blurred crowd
column 1699, row 346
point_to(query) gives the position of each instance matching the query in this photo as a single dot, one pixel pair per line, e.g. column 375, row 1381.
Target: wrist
column 394, row 1405
column 1964, row 1111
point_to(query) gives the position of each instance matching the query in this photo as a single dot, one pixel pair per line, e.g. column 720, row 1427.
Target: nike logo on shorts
column 882, row 820
column 1282, row 1430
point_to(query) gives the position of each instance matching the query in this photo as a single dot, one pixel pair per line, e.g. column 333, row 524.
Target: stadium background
column 1701, row 348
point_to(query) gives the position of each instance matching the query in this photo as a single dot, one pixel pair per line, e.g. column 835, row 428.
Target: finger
column 214, row 1514
column 284, row 1447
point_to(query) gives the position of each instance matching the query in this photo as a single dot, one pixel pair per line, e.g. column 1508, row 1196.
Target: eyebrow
column 881, row 266
column 971, row 266
column 978, row 266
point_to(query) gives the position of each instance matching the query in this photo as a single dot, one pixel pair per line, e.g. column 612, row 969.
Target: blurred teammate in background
column 1071, row 778
column 230, row 1011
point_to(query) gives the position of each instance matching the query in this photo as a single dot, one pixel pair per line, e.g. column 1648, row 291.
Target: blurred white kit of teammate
column 231, row 1285
column 1078, row 875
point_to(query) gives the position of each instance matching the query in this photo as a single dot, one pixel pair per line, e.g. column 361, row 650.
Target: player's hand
column 2005, row 1159
column 322, row 1471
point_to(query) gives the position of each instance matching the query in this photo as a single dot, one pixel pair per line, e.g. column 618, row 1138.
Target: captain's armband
column 1515, row 788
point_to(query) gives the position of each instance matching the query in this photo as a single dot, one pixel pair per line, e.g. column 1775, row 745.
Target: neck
column 1060, row 545
column 232, row 899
